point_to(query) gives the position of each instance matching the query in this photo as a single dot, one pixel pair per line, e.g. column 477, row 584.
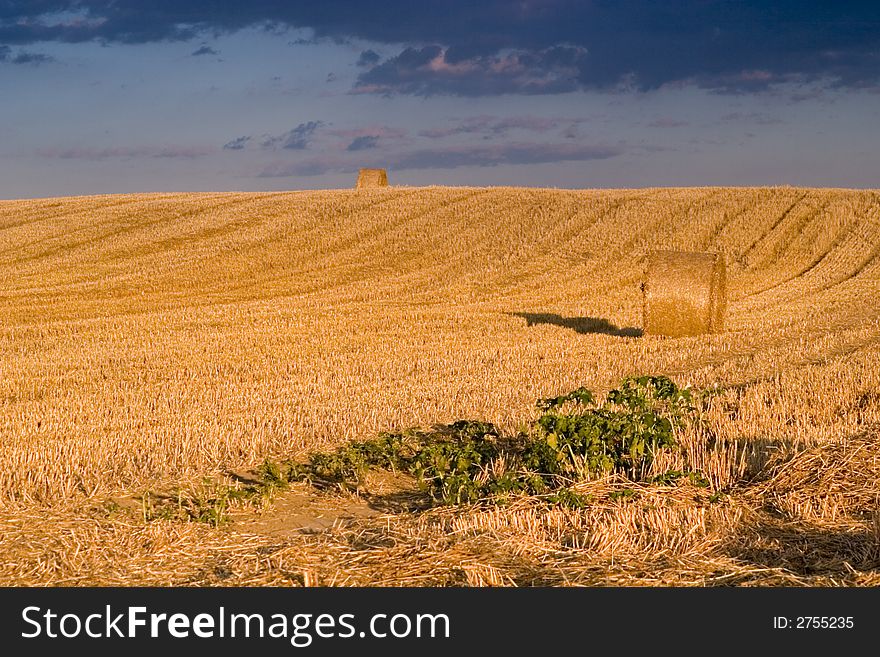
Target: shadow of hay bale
column 582, row 325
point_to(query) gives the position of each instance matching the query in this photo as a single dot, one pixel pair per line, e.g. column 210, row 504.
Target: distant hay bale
column 684, row 293
column 372, row 178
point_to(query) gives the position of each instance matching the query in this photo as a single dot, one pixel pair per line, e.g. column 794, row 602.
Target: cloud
column 368, row 58
column 23, row 57
column 366, row 142
column 237, row 144
column 491, row 47
column 432, row 70
column 384, row 132
column 450, row 158
column 494, row 126
column 296, row 139
column 204, row 50
column 310, row 41
column 361, row 138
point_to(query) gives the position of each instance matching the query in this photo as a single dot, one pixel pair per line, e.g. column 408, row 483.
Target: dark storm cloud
column 450, row 158
column 432, row 71
column 535, row 46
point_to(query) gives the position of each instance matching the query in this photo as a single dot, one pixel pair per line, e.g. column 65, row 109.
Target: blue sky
column 124, row 96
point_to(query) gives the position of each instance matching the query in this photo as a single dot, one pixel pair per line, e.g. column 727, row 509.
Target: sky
column 116, row 96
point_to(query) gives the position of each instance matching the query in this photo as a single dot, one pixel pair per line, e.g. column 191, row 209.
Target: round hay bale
column 372, row 178
column 684, row 293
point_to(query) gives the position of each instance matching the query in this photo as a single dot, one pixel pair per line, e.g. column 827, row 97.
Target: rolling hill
column 149, row 341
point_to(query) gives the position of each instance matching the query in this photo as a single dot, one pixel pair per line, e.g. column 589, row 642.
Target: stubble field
column 151, row 342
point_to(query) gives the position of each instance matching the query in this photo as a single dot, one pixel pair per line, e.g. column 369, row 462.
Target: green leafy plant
column 578, row 438
column 208, row 503
column 672, row 476
column 574, row 439
column 568, row 497
column 622, row 494
column 447, row 461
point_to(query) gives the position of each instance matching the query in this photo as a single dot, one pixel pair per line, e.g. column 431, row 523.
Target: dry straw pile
column 372, row 178
column 684, row 293
column 826, row 482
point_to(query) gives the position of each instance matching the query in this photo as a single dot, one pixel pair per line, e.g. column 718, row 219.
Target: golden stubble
column 148, row 339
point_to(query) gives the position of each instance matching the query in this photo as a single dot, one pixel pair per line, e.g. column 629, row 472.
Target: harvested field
column 148, row 342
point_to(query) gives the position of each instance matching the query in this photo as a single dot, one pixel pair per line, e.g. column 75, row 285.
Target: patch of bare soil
column 303, row 508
